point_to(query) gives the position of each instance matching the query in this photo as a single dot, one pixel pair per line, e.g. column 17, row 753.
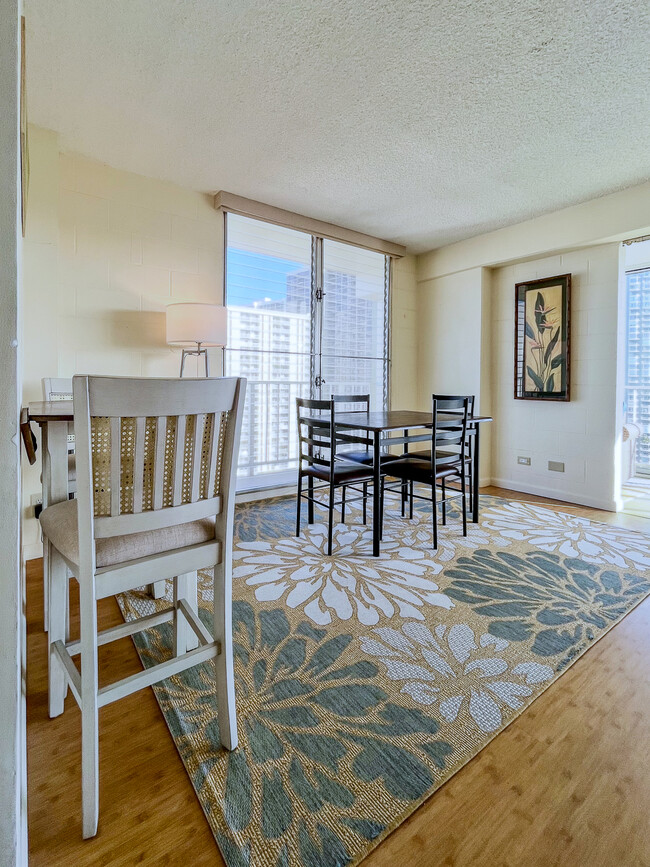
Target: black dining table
column 378, row 423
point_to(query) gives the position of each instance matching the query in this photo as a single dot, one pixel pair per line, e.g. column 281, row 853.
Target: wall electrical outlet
column 523, row 461
column 556, row 466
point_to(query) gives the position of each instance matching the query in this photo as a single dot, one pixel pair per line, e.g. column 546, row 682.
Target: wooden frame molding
column 224, row 201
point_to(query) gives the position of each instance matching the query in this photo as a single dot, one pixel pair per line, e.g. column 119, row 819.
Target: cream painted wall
column 616, row 217
column 456, row 309
column 465, row 333
column 403, row 372
column 105, row 252
column 581, row 433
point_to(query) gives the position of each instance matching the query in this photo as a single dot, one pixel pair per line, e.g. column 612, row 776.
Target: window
column 306, row 317
column 637, row 366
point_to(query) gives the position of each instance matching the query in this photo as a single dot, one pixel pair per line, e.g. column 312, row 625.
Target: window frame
column 317, row 273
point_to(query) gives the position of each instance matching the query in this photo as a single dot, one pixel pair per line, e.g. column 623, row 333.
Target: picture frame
column 542, row 329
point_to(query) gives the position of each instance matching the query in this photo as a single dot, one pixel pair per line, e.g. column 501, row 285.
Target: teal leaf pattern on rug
column 479, row 679
column 351, row 586
column 352, row 714
column 305, row 706
column 567, row 596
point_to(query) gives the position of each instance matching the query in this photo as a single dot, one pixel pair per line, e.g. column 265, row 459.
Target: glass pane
column 637, row 367
column 354, row 376
column 353, row 307
column 268, row 280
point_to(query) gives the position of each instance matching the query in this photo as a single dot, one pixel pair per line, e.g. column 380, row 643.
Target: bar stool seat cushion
column 59, row 523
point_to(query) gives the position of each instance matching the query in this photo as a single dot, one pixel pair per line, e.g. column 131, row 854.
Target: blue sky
column 254, row 276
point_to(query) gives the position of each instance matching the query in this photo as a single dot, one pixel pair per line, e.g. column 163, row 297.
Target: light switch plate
column 523, row 461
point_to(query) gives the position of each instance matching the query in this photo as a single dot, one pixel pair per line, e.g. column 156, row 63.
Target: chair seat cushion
column 441, row 457
column 366, row 457
column 59, row 523
column 343, row 472
column 417, row 470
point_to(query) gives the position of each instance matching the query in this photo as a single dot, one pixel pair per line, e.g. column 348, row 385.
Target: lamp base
column 198, row 352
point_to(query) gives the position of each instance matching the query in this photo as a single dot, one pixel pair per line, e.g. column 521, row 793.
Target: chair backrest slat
column 197, row 456
column 159, row 462
column 115, row 466
column 179, row 459
column 138, row 464
column 453, row 430
column 214, row 441
column 317, row 430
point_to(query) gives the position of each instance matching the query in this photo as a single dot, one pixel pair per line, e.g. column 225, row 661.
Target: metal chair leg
column 464, row 501
column 365, row 501
column 298, row 504
column 444, row 503
column 434, row 515
column 343, row 504
column 411, row 500
column 310, row 502
column 330, row 525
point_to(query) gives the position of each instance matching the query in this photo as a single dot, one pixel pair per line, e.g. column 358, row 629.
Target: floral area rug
column 364, row 683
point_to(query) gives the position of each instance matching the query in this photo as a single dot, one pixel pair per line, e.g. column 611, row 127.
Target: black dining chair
column 365, row 456
column 321, row 460
column 446, row 462
column 425, row 454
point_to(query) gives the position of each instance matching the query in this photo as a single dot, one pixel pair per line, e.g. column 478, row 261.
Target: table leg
column 376, row 495
column 475, row 470
column 54, row 443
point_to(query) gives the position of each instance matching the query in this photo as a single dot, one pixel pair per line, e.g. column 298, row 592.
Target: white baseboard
column 265, row 494
column 552, row 494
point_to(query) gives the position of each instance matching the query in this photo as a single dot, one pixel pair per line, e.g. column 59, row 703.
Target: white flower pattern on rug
column 417, row 532
column 572, row 536
column 350, row 584
column 472, row 672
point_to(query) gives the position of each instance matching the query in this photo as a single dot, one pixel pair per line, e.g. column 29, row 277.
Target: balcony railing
column 637, row 411
column 269, row 437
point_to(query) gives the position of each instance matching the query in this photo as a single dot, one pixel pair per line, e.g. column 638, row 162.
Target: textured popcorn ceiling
column 420, row 122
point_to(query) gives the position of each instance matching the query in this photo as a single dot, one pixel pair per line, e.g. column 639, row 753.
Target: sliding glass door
column 637, row 365
column 306, row 317
column 353, row 323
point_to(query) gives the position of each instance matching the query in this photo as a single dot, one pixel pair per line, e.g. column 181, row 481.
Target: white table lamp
column 200, row 324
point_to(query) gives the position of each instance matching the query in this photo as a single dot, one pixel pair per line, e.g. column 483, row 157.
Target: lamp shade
column 206, row 324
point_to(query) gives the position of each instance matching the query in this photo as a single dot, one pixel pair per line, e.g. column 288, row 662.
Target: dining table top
column 43, row 411
column 395, row 419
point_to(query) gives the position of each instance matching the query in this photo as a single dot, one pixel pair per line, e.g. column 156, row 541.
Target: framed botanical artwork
column 542, row 338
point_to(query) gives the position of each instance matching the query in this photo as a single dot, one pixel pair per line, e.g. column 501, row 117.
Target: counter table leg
column 475, row 471
column 376, row 494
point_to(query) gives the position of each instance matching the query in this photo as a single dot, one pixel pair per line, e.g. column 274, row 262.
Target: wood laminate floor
column 567, row 783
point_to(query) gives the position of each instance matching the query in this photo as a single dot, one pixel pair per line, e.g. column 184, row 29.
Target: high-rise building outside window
column 307, row 317
column 637, row 364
